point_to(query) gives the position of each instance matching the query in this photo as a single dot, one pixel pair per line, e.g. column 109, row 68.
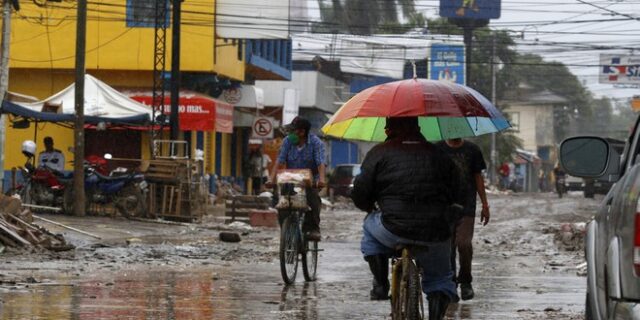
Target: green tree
column 365, row 17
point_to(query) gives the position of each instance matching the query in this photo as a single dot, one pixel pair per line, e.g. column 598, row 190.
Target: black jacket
column 413, row 183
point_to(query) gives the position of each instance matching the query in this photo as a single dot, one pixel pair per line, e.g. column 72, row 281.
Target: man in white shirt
column 50, row 157
column 260, row 163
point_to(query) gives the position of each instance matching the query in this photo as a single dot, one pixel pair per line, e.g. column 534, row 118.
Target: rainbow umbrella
column 445, row 110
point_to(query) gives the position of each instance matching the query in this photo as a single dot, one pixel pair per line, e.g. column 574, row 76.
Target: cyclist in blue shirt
column 302, row 150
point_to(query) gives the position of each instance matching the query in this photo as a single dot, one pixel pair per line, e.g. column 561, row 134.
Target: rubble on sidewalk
column 570, row 235
column 18, row 231
column 227, row 190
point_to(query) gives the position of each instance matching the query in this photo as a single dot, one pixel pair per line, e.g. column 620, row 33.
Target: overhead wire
column 280, row 26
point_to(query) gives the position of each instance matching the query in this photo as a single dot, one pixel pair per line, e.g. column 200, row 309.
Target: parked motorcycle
column 41, row 185
column 126, row 190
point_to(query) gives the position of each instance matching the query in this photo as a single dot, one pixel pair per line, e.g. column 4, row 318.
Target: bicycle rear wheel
column 310, row 260
column 289, row 245
column 405, row 298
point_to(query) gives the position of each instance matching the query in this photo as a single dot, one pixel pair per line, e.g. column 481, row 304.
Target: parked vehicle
column 41, row 185
column 573, row 183
column 341, row 179
column 612, row 243
column 125, row 189
column 593, row 186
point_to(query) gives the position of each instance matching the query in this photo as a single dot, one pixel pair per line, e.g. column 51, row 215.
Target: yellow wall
column 43, row 57
column 225, row 169
column 44, row 37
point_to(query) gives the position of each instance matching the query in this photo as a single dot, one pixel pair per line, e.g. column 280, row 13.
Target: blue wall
column 343, row 152
column 270, row 55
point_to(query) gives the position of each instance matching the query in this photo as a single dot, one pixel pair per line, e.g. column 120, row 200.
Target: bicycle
column 292, row 207
column 406, row 289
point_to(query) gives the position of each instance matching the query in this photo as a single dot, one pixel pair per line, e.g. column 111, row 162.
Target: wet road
column 519, row 273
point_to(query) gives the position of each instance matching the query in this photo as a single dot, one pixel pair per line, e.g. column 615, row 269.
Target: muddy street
column 527, row 265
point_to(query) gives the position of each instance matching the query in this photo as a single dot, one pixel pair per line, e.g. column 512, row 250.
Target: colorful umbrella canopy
column 445, row 110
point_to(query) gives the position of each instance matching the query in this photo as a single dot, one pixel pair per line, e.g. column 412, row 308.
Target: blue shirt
column 309, row 156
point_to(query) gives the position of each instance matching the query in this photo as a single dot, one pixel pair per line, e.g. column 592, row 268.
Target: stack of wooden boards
column 176, row 189
column 18, row 231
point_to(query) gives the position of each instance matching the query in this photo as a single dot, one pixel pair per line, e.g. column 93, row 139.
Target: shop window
column 142, row 13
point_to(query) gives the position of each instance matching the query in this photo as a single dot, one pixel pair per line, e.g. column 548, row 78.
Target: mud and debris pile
column 227, row 190
column 569, row 236
column 18, row 231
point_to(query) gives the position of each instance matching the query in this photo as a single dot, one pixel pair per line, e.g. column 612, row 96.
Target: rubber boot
column 438, row 303
column 379, row 265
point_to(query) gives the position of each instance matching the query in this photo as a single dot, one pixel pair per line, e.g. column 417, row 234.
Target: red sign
column 224, row 117
column 196, row 113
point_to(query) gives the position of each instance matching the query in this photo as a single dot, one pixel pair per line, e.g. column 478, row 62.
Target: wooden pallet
column 163, row 171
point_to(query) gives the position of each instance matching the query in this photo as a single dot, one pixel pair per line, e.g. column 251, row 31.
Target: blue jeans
column 435, row 261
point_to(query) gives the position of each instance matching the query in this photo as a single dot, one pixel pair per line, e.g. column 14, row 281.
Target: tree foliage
column 582, row 114
column 366, row 17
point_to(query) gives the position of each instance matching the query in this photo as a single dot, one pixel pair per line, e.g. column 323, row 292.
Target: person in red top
column 504, row 172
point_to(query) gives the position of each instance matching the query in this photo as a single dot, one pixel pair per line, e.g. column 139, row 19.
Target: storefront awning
column 197, row 112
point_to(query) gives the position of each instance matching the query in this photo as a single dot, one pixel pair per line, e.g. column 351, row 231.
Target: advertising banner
column 470, row 9
column 447, row 63
column 619, row 69
column 291, row 105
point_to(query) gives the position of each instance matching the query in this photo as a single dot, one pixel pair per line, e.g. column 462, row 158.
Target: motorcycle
column 41, row 185
column 124, row 189
column 560, row 186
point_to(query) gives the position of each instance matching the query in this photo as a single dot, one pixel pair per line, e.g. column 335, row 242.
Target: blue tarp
column 17, row 110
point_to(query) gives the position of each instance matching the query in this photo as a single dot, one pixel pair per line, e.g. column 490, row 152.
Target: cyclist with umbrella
column 441, row 110
column 414, row 183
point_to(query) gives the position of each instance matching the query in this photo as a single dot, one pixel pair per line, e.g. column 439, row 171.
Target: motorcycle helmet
column 29, row 148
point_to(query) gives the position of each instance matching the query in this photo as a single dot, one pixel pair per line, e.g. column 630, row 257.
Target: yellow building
column 120, row 52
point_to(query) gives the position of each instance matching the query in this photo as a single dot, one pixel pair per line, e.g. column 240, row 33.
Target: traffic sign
column 262, row 128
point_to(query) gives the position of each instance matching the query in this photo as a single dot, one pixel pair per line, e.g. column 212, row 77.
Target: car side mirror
column 590, row 157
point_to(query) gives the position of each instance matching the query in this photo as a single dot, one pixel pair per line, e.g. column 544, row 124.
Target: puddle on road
column 245, row 291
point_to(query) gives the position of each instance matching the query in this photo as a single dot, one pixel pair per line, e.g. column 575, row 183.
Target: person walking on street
column 407, row 187
column 303, row 150
column 470, row 163
column 260, row 163
column 504, row 173
column 559, row 176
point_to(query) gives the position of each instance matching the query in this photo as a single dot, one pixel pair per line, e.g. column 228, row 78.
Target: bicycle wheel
column 406, row 294
column 414, row 294
column 289, row 245
column 310, row 260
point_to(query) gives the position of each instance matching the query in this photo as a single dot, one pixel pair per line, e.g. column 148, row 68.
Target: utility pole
column 468, row 43
column 4, row 77
column 175, row 70
column 492, row 172
column 78, row 130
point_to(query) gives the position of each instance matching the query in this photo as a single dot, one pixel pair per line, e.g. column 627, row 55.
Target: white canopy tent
column 102, row 103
